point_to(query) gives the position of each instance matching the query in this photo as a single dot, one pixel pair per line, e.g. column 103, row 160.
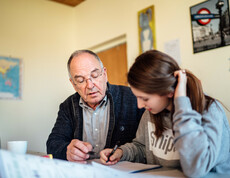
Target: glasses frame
column 92, row 79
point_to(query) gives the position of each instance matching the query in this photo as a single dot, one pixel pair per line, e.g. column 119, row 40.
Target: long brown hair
column 153, row 73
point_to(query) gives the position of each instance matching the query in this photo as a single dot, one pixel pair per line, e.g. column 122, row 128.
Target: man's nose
column 89, row 83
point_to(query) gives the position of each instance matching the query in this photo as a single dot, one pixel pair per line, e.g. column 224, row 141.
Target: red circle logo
column 203, row 21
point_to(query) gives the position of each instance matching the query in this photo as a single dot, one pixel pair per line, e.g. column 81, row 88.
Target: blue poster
column 10, row 78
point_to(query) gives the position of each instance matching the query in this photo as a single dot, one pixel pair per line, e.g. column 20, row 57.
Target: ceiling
column 72, row 3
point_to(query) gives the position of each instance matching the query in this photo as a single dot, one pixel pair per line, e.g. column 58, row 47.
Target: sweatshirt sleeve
column 135, row 151
column 197, row 137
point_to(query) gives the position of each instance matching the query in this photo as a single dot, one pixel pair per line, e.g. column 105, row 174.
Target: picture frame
column 10, row 78
column 146, row 29
column 210, row 25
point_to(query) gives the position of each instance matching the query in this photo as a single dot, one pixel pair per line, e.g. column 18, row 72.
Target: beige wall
column 105, row 20
column 44, row 33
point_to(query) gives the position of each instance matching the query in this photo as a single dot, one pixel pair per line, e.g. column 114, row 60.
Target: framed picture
column 146, row 29
column 210, row 25
column 10, row 78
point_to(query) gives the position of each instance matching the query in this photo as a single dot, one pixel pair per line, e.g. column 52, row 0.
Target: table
column 160, row 172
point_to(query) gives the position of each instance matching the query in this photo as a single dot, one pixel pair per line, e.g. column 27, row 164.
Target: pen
column 148, row 169
column 91, row 153
column 114, row 149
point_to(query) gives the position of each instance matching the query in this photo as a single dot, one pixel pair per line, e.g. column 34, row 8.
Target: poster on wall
column 146, row 29
column 10, row 78
column 210, row 25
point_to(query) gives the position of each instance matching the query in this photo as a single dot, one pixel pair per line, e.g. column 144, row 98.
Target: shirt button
column 122, row 128
column 96, row 130
column 96, row 145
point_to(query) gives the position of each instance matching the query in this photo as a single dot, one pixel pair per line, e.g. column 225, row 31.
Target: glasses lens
column 93, row 77
column 95, row 74
column 80, row 80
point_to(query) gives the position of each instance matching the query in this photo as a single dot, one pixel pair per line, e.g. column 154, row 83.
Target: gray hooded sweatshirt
column 196, row 143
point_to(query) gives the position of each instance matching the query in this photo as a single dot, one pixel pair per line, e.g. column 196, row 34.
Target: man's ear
column 74, row 86
column 105, row 73
column 71, row 81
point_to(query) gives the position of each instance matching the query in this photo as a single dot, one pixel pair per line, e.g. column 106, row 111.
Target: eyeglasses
column 94, row 76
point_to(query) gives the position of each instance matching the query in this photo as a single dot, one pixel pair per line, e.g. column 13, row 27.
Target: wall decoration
column 210, row 25
column 229, row 64
column 146, row 28
column 172, row 48
column 10, row 78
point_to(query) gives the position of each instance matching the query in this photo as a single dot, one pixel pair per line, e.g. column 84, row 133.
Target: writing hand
column 113, row 159
column 77, row 151
column 181, row 84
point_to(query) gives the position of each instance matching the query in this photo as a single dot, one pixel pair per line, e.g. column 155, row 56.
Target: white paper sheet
column 172, row 48
column 29, row 166
column 128, row 167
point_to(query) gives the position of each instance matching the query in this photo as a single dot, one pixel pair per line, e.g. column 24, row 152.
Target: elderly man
column 97, row 116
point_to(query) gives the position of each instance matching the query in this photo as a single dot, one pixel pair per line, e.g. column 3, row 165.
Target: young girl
column 181, row 127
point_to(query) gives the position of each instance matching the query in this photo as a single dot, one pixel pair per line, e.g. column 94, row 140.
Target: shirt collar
column 103, row 102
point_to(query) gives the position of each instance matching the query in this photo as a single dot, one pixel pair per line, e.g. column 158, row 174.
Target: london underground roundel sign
column 204, row 21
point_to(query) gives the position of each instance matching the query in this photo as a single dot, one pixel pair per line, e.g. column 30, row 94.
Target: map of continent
column 10, row 78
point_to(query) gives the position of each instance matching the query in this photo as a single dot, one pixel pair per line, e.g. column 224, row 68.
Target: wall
column 45, row 33
column 42, row 34
column 111, row 19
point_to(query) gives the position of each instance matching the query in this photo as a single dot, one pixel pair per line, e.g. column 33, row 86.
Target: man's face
column 88, row 78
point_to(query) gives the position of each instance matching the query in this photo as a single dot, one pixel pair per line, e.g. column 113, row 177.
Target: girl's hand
column 104, row 154
column 181, row 83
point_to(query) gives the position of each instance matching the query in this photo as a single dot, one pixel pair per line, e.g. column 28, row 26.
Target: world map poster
column 10, row 78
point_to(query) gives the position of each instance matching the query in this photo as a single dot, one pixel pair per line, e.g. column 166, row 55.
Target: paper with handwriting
column 29, row 166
